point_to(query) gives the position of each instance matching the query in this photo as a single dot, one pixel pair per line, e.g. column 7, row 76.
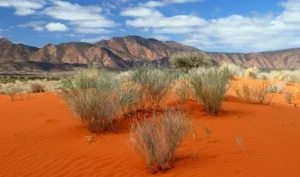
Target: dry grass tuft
column 259, row 94
column 157, row 139
column 210, row 86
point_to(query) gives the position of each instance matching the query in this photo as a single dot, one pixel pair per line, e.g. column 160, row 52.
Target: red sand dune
column 39, row 137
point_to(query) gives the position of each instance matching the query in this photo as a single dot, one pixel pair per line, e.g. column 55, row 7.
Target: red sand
column 39, row 137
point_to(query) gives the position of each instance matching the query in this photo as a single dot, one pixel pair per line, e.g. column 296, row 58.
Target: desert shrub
column 188, row 60
column 292, row 76
column 210, row 86
column 93, row 99
column 155, row 84
column 251, row 73
column 37, row 87
column 14, row 89
column 84, row 79
column 258, row 94
column 234, row 70
column 263, row 76
column 276, row 75
column 275, row 88
column 288, row 97
column 129, row 97
column 183, row 90
column 157, row 139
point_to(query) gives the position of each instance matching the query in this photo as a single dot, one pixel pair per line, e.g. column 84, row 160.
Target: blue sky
column 211, row 25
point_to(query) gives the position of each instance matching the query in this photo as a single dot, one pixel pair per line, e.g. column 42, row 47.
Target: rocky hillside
column 122, row 52
column 281, row 59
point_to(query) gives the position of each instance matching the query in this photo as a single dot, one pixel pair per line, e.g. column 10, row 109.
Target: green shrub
column 275, row 88
column 155, row 84
column 210, row 86
column 157, row 139
column 93, row 99
column 37, row 88
column 234, row 70
column 260, row 94
column 189, row 60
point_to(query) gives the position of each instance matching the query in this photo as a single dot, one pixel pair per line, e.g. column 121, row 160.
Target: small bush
column 189, row 60
column 15, row 90
column 157, row 139
column 263, row 76
column 288, row 97
column 292, row 76
column 210, row 86
column 155, row 84
column 251, row 73
column 276, row 75
column 259, row 94
column 129, row 97
column 275, row 88
column 93, row 100
column 183, row 90
column 234, row 70
column 37, row 88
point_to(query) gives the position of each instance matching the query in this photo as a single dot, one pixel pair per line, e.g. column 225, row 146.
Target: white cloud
column 161, row 37
column 92, row 31
column 151, row 18
column 153, row 4
column 23, row 7
column 36, row 25
column 81, row 17
column 94, row 40
column 246, row 33
column 140, row 12
column 56, row 27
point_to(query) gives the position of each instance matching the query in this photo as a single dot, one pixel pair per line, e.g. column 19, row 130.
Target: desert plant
column 183, row 90
column 155, row 84
column 37, row 88
column 275, row 88
column 157, row 139
column 94, row 101
column 234, row 70
column 263, row 76
column 188, row 60
column 15, row 90
column 210, row 86
column 129, row 97
column 276, row 75
column 259, row 94
column 292, row 76
column 289, row 97
column 251, row 73
column 239, row 141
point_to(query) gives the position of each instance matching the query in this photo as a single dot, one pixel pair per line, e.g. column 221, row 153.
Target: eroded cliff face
column 121, row 52
column 281, row 59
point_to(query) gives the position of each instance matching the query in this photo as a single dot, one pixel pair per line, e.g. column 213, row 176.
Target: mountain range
column 120, row 53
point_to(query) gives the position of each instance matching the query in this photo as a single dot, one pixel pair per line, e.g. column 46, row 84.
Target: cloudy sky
column 211, row 25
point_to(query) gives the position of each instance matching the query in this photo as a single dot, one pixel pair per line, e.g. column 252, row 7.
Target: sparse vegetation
column 157, row 139
column 188, row 60
column 259, row 94
column 210, row 86
column 37, row 87
column 234, row 70
column 251, row 73
column 183, row 89
column 275, row 88
column 288, row 97
column 239, row 141
column 155, row 84
column 90, row 94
